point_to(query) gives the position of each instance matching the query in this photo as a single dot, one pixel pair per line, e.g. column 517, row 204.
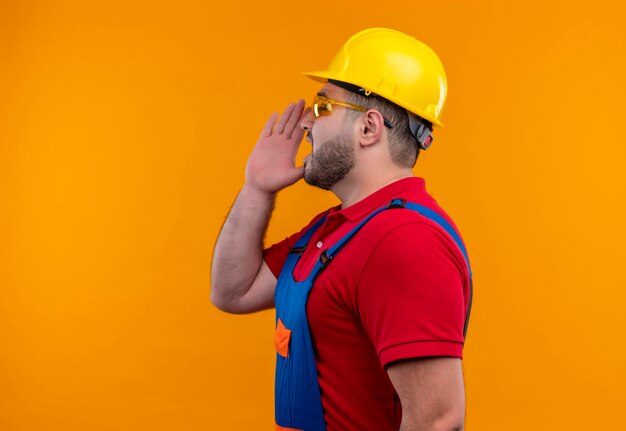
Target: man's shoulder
column 398, row 231
column 407, row 220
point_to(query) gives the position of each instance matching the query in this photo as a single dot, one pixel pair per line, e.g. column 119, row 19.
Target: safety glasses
column 323, row 106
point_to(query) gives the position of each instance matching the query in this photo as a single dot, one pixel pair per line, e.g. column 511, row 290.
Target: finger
column 296, row 139
column 280, row 126
column 294, row 119
column 296, row 174
column 300, row 123
column 305, row 114
column 267, row 129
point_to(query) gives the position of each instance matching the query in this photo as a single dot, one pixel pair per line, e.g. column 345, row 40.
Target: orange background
column 124, row 132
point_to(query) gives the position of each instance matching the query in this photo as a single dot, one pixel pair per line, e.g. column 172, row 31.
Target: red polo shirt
column 399, row 289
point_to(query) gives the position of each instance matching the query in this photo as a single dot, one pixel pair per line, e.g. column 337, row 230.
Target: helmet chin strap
column 420, row 131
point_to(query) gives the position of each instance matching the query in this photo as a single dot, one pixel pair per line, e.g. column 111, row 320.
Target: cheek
column 319, row 136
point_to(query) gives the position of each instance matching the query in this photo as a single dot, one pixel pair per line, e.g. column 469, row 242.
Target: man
column 372, row 297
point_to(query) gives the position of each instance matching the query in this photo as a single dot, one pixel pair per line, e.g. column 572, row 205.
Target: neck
column 350, row 192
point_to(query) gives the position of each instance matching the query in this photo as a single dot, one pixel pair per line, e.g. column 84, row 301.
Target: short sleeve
column 412, row 294
column 276, row 255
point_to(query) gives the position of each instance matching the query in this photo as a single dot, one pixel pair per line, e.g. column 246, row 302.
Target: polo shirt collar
column 380, row 198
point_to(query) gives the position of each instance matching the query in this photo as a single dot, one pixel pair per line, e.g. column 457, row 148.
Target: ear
column 371, row 127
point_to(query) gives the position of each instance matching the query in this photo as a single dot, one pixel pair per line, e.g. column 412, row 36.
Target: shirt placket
column 321, row 240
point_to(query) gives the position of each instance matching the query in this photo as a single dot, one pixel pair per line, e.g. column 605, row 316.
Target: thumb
column 296, row 173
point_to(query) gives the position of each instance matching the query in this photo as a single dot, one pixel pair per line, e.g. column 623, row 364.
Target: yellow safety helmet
column 392, row 65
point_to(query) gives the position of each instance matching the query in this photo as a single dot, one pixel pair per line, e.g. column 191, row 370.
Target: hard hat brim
column 319, row 76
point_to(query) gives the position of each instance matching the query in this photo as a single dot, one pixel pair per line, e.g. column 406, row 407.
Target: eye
column 322, row 108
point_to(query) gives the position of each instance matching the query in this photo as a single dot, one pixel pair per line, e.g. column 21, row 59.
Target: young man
column 372, row 297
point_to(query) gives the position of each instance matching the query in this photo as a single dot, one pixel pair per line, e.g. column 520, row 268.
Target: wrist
column 257, row 194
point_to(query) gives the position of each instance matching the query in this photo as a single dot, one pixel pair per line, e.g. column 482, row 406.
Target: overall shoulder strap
column 329, row 254
column 443, row 223
column 437, row 218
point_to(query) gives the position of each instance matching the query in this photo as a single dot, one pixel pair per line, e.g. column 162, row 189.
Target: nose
column 306, row 122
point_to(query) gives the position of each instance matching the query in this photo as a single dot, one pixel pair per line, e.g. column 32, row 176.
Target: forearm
column 239, row 248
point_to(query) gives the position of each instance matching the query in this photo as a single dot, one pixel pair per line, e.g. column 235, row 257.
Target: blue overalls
column 298, row 405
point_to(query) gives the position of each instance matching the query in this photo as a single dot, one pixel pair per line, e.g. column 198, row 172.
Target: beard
column 331, row 163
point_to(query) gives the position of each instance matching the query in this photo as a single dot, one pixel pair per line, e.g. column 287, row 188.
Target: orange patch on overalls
column 281, row 341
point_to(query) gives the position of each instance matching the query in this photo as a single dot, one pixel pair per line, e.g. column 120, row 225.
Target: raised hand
column 271, row 165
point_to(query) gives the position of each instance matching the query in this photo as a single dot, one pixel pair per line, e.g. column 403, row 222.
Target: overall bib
column 298, row 405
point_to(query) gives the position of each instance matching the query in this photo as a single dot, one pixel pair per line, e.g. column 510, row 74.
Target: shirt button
column 319, row 244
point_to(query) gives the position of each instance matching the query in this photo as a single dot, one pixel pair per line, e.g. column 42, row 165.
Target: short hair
column 403, row 147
